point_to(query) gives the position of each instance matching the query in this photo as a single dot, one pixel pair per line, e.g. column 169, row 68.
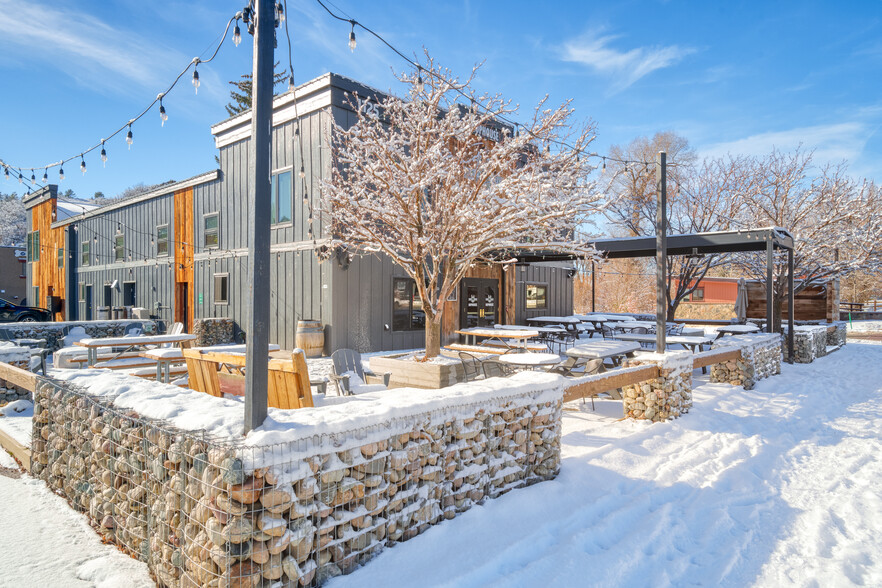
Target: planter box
column 415, row 374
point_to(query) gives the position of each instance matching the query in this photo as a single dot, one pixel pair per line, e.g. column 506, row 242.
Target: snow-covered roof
column 68, row 208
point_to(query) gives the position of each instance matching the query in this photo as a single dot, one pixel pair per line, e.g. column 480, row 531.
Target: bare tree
column 702, row 197
column 438, row 184
column 835, row 221
column 13, row 220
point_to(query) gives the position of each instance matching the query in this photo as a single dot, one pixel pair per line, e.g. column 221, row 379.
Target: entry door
column 480, row 303
column 182, row 306
column 89, row 302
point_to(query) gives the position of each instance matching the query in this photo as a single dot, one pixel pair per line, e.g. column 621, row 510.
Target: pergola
column 767, row 239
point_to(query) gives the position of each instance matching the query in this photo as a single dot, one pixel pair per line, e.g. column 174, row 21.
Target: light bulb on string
column 20, row 178
column 60, row 173
column 291, row 83
column 302, row 172
column 162, row 114
column 82, row 164
column 129, row 138
column 237, row 35
column 33, row 177
column 603, row 169
column 103, row 155
column 280, row 10
column 6, row 173
column 196, row 74
column 352, row 36
column 46, row 176
column 419, row 86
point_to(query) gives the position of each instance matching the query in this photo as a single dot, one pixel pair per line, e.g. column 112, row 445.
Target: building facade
column 181, row 251
column 13, row 284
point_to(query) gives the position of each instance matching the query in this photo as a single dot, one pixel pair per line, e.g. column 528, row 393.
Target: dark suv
column 12, row 313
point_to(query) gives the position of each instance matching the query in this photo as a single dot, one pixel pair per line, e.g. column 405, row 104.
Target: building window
column 537, row 296
column 211, row 231
column 84, row 259
column 119, row 247
column 82, row 291
column 407, row 308
column 34, row 246
column 61, row 257
column 698, row 295
column 221, row 288
column 162, row 240
column 281, row 198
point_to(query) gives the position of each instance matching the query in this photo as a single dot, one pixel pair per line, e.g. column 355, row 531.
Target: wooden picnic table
column 489, row 332
column 553, row 330
column 167, row 357
column 93, row 345
column 614, row 350
column 597, row 320
column 692, row 343
column 737, row 329
column 570, row 323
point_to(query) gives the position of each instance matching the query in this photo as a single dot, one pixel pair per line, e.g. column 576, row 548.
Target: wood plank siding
column 47, row 273
column 353, row 299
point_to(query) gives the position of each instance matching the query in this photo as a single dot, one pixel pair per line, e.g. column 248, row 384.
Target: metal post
column 257, row 341
column 661, row 251
column 592, row 286
column 770, row 273
column 790, row 305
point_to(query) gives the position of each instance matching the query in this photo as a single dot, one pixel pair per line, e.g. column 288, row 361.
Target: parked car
column 15, row 313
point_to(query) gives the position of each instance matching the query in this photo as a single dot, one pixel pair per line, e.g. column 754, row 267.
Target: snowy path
column 771, row 487
column 45, row 543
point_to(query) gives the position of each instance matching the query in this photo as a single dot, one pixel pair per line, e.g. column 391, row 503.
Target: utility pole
column 257, row 342
column 661, row 251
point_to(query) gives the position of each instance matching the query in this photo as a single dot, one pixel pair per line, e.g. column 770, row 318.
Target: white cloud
column 831, row 143
column 624, row 68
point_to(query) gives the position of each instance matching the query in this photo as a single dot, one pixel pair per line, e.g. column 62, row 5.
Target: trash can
column 119, row 312
column 103, row 313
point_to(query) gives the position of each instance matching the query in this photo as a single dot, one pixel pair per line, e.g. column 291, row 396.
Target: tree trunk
column 777, row 306
column 433, row 338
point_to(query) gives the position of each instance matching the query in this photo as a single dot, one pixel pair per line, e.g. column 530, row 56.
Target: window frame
column 693, row 298
column 544, row 286
column 274, row 197
column 61, row 257
column 215, row 231
column 32, row 247
column 413, row 293
column 86, row 253
column 119, row 249
column 226, row 300
column 82, row 293
column 158, row 240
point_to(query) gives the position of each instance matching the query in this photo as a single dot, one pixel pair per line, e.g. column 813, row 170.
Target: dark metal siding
column 559, row 294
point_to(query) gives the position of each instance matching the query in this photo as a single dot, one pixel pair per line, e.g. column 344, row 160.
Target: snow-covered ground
column 778, row 486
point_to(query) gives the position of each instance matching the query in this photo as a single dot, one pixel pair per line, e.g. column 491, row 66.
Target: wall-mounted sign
column 200, row 298
column 21, row 253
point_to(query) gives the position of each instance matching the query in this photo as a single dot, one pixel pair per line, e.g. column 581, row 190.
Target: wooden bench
column 105, row 356
column 533, row 347
column 217, row 373
column 476, row 348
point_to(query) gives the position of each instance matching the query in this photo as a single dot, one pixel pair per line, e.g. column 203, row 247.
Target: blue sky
column 731, row 77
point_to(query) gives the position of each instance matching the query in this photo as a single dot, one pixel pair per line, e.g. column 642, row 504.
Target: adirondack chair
column 347, row 363
column 217, row 373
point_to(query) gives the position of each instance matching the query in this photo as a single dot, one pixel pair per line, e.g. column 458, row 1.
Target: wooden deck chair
column 349, row 360
column 202, row 372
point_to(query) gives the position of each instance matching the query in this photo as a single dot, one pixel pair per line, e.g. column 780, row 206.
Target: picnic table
column 92, row 345
column 597, row 320
column 737, row 329
column 606, row 349
column 529, row 360
column 570, row 323
column 693, row 343
column 516, row 335
column 167, row 357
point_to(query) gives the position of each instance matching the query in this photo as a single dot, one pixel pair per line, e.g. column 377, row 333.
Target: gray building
column 181, row 250
column 13, row 285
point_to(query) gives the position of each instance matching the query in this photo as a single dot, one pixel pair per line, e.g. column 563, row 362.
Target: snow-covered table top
column 530, row 359
column 524, row 328
column 602, row 349
column 176, row 353
column 677, row 339
column 738, row 329
column 503, row 333
column 140, row 340
column 566, row 320
column 602, row 318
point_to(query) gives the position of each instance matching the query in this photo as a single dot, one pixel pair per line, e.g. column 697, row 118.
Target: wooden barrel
column 310, row 337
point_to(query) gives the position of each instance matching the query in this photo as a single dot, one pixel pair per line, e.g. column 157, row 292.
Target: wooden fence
column 22, row 379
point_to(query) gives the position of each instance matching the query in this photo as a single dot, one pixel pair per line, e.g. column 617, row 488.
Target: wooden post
column 790, row 303
column 661, row 251
column 257, row 341
column 592, row 286
column 770, row 287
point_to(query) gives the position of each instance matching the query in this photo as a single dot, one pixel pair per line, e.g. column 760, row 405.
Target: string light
column 6, row 173
column 237, row 34
column 82, row 164
column 291, row 83
column 60, row 173
column 352, row 36
column 280, row 10
column 603, row 169
column 46, row 176
column 196, row 74
column 419, row 86
column 302, row 172
column 162, row 114
column 33, row 177
column 20, row 178
column 129, row 138
column 103, row 155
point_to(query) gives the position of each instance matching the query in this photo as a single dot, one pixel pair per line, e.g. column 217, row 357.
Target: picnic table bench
column 491, row 333
column 92, row 345
column 167, row 358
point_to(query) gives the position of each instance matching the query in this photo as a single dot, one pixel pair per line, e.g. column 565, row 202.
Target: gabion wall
column 662, row 398
column 213, row 331
column 838, row 335
column 52, row 332
column 203, row 513
column 760, row 358
column 18, row 357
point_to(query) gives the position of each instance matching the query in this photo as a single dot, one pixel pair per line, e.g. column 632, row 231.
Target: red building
column 714, row 291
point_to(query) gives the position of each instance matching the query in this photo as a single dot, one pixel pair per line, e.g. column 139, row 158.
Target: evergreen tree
column 242, row 94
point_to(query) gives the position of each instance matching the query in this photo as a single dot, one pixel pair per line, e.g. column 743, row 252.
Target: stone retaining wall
column 213, row 331
column 51, row 332
column 760, row 358
column 809, row 342
column 837, row 336
column 19, row 357
column 209, row 513
column 667, row 396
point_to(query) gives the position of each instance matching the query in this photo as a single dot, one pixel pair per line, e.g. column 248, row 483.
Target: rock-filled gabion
column 52, row 332
column 18, row 357
column 809, row 343
column 760, row 358
column 213, row 331
column 838, row 335
column 209, row 514
column 662, row 398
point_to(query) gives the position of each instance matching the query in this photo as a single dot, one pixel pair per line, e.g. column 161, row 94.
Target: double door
column 480, row 303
